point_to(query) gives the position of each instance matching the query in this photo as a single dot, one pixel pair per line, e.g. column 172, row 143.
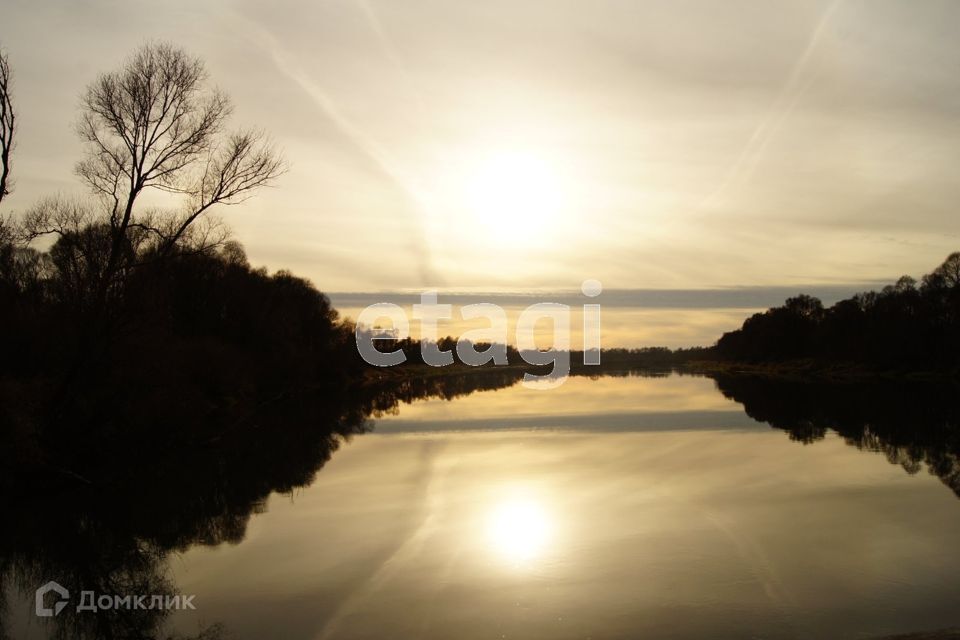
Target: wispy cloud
column 791, row 92
column 727, row 298
column 361, row 140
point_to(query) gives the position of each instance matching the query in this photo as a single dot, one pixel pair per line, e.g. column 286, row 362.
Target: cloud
column 418, row 246
column 725, row 298
column 799, row 80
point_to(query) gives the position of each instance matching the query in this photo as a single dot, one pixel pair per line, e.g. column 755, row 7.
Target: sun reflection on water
column 519, row 529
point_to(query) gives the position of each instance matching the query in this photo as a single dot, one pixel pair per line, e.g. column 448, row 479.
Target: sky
column 505, row 145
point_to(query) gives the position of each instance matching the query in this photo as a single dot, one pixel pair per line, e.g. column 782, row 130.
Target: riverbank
column 813, row 370
column 794, row 370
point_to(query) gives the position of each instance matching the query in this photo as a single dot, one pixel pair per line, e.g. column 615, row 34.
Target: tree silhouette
column 155, row 123
column 7, row 122
column 903, row 326
column 947, row 275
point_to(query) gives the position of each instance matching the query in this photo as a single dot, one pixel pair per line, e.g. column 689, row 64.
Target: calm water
column 619, row 507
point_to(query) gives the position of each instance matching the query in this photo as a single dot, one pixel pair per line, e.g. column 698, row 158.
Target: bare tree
column 155, row 123
column 7, row 121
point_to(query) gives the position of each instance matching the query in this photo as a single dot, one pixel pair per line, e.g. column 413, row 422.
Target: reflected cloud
column 606, row 403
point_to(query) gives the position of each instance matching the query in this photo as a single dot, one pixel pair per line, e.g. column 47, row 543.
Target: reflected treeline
column 395, row 387
column 114, row 537
column 914, row 424
column 112, row 533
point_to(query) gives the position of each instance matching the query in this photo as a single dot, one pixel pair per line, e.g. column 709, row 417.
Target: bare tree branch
column 247, row 162
column 55, row 216
column 155, row 123
column 7, row 124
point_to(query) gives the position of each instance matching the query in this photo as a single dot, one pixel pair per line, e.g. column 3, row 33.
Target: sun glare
column 518, row 529
column 515, row 195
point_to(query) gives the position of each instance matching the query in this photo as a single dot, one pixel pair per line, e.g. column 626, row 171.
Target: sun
column 515, row 195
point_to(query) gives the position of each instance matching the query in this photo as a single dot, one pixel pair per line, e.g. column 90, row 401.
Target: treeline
column 185, row 349
column 129, row 328
column 413, row 348
column 651, row 357
column 905, row 326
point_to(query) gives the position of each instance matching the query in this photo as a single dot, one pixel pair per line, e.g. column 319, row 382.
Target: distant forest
column 907, row 326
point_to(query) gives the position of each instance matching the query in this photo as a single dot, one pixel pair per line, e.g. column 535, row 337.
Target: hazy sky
column 674, row 144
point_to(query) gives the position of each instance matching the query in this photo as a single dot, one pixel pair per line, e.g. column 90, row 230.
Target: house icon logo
column 45, row 612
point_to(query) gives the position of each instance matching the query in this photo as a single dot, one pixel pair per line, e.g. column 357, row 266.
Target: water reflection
column 649, row 506
column 683, row 534
column 115, row 538
column 598, row 403
column 519, row 529
column 914, row 424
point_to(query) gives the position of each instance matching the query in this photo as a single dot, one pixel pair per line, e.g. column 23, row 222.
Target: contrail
column 407, row 551
column 363, row 142
column 757, row 563
column 788, row 98
column 388, row 48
